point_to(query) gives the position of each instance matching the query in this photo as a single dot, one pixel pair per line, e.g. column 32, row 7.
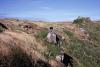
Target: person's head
column 51, row 28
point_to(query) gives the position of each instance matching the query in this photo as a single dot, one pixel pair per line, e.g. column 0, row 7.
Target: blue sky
column 52, row 10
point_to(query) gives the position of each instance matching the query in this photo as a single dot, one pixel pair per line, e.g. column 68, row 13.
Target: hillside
column 23, row 43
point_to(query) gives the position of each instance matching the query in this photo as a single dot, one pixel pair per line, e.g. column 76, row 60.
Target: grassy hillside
column 24, row 46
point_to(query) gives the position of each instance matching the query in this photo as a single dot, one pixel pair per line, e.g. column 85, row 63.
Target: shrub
column 82, row 21
column 78, row 21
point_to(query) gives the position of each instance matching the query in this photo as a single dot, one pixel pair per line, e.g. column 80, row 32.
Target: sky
column 50, row 10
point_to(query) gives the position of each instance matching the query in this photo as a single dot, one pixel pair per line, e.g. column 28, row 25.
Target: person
column 51, row 37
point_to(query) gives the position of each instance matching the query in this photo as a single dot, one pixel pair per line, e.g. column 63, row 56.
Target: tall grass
column 84, row 51
column 20, row 58
column 41, row 35
column 68, row 33
column 52, row 51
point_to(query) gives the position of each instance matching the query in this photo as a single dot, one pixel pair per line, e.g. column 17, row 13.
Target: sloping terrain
column 23, row 44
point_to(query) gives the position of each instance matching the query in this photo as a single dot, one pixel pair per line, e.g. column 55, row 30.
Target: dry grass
column 18, row 41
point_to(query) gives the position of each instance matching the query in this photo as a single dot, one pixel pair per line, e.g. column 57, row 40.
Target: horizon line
column 45, row 20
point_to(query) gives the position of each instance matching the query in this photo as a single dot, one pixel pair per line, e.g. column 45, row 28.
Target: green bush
column 78, row 21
